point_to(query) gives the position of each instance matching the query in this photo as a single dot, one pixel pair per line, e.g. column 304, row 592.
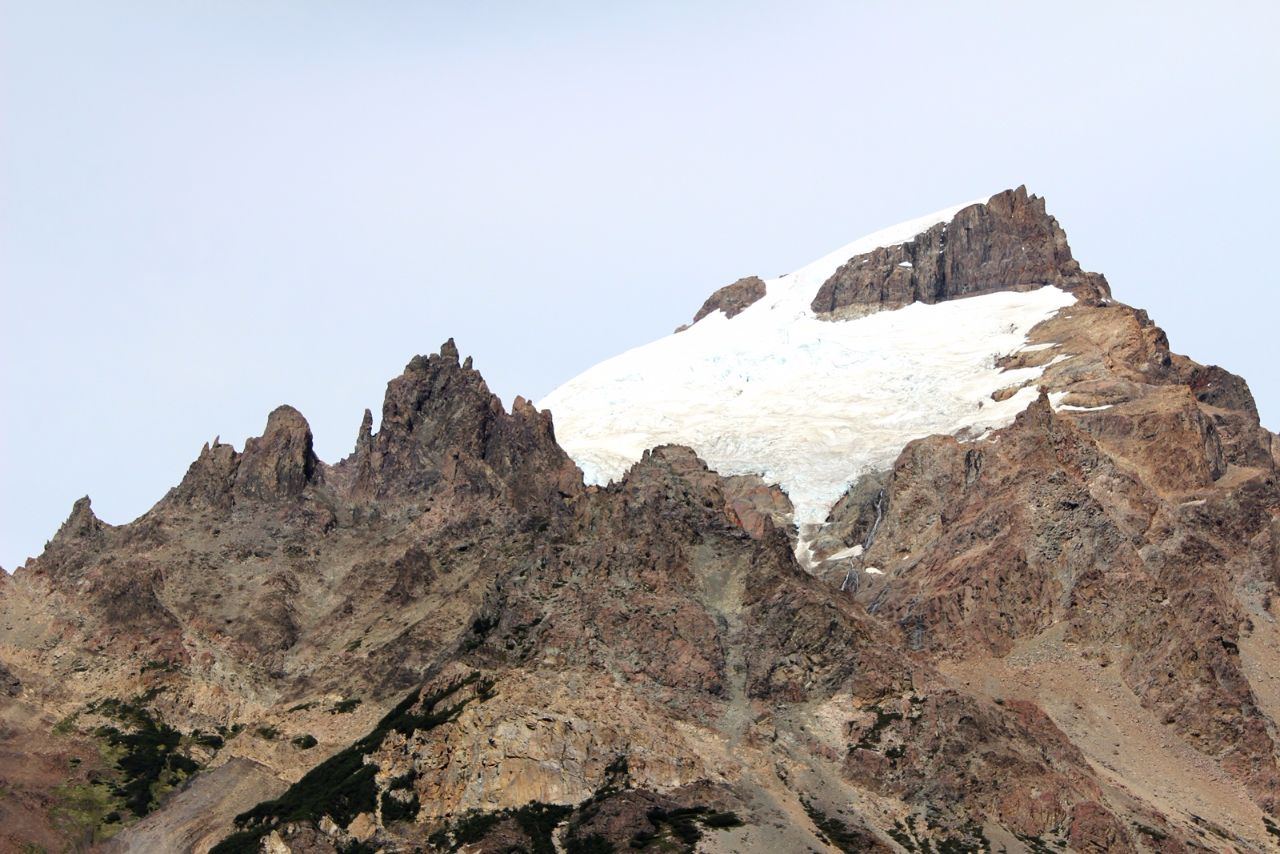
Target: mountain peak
column 281, row 462
column 811, row 378
column 1008, row 243
column 277, row 465
column 440, row 417
column 82, row 522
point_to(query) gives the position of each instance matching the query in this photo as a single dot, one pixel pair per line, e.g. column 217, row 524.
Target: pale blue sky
column 209, row 209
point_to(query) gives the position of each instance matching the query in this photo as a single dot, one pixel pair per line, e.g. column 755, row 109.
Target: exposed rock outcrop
column 276, row 466
column 441, row 422
column 1118, row 523
column 1007, row 243
column 280, row 463
column 10, row 685
column 733, row 299
column 81, row 524
column 653, row 633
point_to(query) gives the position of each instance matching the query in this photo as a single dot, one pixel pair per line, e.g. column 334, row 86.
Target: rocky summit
column 929, row 546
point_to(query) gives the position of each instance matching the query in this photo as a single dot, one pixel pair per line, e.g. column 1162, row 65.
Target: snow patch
column 1056, row 398
column 852, row 551
column 1069, row 408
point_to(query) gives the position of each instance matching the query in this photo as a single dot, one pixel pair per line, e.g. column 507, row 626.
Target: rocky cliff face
column 1008, row 243
column 1121, row 519
column 440, row 421
column 1056, row 636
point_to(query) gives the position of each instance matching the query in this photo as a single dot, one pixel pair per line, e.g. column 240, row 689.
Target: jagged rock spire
column 80, row 524
column 440, row 420
column 364, row 439
column 279, row 464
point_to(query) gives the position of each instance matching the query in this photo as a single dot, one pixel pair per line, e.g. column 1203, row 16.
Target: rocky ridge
column 1007, row 243
column 446, row 640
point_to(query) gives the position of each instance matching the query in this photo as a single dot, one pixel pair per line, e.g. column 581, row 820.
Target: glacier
column 808, row 404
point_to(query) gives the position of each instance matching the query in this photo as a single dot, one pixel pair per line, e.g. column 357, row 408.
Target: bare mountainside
column 980, row 565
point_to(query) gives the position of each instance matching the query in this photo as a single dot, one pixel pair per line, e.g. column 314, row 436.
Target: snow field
column 807, row 404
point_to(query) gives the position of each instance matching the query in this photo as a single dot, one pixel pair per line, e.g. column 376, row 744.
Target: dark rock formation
column 1008, row 243
column 692, row 619
column 441, row 422
column 81, row 524
column 276, row 466
column 10, row 685
column 280, row 463
column 855, row 518
column 733, row 299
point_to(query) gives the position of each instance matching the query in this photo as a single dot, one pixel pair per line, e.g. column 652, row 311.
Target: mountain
column 930, row 545
column 808, row 383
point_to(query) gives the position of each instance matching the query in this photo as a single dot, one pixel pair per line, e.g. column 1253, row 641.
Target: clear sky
column 209, row 209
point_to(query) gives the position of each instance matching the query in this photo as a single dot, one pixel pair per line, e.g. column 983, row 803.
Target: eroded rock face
column 654, row 633
column 855, row 519
column 1008, row 243
column 276, row 466
column 1128, row 515
column 756, row 505
column 81, row 524
column 280, row 463
column 9, row 684
column 662, row 622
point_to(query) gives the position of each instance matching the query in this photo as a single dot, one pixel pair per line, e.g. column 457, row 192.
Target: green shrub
column 394, row 809
column 473, row 827
column 343, row 785
column 207, row 739
column 539, row 821
column 593, row 844
column 872, row 736
column 846, row 839
column 722, row 820
column 150, row 758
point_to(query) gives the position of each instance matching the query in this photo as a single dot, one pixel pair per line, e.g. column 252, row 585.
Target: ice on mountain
column 807, row 404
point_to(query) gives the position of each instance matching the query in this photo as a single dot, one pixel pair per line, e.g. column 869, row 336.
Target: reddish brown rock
column 281, row 462
column 755, row 505
column 1094, row 829
column 1006, row 243
column 733, row 299
column 441, row 422
column 1081, row 520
